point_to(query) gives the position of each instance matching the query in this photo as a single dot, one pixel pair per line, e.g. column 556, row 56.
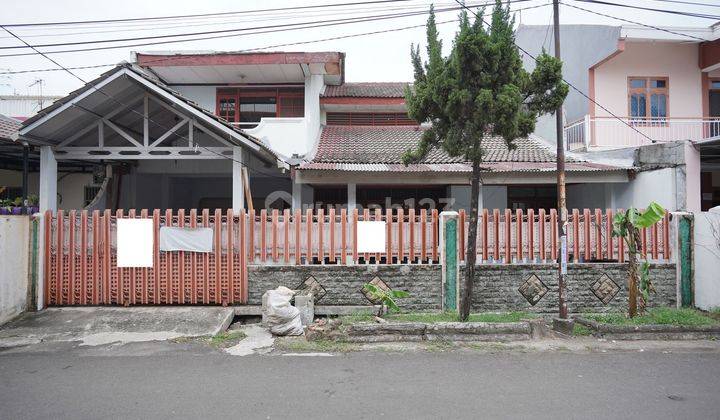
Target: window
column 369, row 118
column 648, row 98
column 248, row 105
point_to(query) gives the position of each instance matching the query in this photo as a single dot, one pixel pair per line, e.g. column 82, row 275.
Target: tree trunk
column 632, row 272
column 466, row 301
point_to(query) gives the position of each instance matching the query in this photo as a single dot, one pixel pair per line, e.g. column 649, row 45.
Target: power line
column 636, row 23
column 673, row 12
column 563, row 79
column 693, row 3
column 97, row 89
column 152, row 18
column 366, row 19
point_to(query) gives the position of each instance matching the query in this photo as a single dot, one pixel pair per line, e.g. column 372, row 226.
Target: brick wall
column 496, row 286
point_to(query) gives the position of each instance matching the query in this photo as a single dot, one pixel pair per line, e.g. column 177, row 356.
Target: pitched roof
column 367, row 90
column 8, row 128
column 380, row 149
column 155, row 83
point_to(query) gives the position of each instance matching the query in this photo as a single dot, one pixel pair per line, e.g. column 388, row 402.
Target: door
column 715, row 111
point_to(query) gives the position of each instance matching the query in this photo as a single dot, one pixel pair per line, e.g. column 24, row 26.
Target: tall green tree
column 477, row 91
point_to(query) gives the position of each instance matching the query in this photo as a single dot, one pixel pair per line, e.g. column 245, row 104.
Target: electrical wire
column 651, row 9
column 111, row 97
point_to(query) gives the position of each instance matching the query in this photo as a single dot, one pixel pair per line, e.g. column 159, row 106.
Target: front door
column 715, row 111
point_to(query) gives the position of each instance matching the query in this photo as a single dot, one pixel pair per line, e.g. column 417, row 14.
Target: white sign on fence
column 371, row 236
column 134, row 242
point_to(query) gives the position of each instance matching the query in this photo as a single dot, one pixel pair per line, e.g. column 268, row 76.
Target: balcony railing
column 615, row 133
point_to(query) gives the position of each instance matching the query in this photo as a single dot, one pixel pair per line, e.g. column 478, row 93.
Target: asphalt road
column 362, row 385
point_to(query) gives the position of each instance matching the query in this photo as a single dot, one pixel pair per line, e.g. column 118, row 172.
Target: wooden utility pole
column 562, row 207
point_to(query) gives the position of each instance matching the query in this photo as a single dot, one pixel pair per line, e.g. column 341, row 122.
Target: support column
column 351, row 197
column 48, row 179
column 314, row 84
column 238, row 185
column 296, row 195
column 449, row 260
column 692, row 178
column 26, row 149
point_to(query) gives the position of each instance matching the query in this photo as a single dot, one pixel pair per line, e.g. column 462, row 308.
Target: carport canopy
column 129, row 114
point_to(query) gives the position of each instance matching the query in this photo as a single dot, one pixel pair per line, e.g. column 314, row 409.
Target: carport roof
column 100, row 95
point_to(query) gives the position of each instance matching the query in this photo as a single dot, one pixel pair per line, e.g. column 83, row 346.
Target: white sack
column 186, row 239
column 282, row 318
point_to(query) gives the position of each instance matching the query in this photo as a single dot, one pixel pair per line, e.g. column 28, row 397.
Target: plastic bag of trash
column 282, row 318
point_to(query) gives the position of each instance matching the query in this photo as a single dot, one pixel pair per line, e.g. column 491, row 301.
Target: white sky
column 383, row 57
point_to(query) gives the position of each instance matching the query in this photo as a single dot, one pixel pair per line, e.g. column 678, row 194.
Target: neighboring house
column 22, row 107
column 646, row 86
column 175, row 130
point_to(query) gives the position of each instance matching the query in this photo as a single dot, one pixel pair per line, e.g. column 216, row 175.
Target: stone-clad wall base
column 495, row 290
column 496, row 287
column 344, row 283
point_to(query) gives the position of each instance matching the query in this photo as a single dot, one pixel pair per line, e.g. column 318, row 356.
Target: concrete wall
column 496, row 286
column 706, row 253
column 677, row 61
column 658, row 185
column 576, row 57
column 14, row 275
column 494, row 197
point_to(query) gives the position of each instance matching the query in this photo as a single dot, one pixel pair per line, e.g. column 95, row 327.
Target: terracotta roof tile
column 367, row 90
column 380, row 149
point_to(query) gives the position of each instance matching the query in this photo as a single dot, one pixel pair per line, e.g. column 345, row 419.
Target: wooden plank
column 144, row 270
column 485, row 222
column 206, row 261
column 83, row 256
column 48, row 255
column 423, row 235
column 541, row 234
column 343, row 236
column 520, row 255
column 496, row 234
column 169, row 288
column 119, row 272
column 251, row 236
column 354, row 235
column 193, row 263
column 309, row 226
column 366, row 217
column 388, row 233
column 400, row 236
column 621, row 245
column 331, row 221
column 230, row 224
column 156, row 256
column 435, row 235
column 553, row 235
column 321, row 234
column 286, row 229
column 217, row 225
column 598, row 234
column 654, row 241
column 132, row 287
column 297, row 220
column 609, row 240
column 181, row 262
column 71, row 257
column 508, row 236
column 243, row 256
column 666, row 236
column 96, row 258
column 246, row 188
column 411, row 236
column 378, row 218
column 531, row 234
column 275, row 243
column 106, row 257
column 587, row 241
column 263, row 235
column 576, row 234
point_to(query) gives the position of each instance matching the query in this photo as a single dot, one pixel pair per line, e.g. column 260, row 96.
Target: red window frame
column 280, row 93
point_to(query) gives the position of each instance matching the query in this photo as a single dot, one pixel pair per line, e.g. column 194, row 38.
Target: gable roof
column 367, row 90
column 380, row 149
column 234, row 135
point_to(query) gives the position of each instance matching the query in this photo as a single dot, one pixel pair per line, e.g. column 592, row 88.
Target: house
column 645, row 87
column 177, row 129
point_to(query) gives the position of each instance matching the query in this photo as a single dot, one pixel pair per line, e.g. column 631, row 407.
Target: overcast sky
column 380, row 57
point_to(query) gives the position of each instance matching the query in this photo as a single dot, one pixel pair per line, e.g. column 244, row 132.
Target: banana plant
column 385, row 297
column 627, row 225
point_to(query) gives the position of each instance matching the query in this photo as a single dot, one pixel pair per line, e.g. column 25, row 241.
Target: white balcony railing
column 615, row 133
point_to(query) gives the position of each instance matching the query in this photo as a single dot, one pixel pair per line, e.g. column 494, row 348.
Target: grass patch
column 226, row 339
column 319, row 346
column 433, row 317
column 581, row 330
column 662, row 316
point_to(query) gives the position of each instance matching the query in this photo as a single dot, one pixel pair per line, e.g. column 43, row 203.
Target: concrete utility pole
column 562, row 207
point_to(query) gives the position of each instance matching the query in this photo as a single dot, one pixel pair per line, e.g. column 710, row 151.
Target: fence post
column 449, row 260
column 684, row 243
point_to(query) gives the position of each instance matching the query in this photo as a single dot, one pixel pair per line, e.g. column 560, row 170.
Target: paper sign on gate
column 371, row 236
column 134, row 242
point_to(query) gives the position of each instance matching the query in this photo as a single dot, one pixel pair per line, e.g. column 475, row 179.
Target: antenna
column 41, row 101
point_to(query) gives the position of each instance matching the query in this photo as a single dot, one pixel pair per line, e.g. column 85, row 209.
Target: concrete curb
column 442, row 331
column 651, row 331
